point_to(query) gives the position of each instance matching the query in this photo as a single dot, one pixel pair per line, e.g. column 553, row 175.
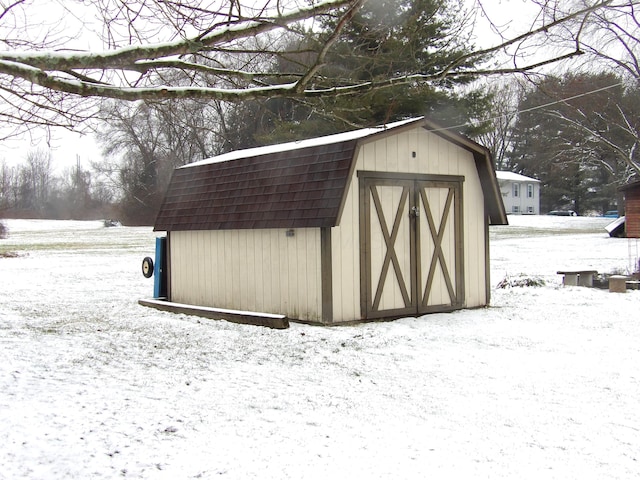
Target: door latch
column 414, row 212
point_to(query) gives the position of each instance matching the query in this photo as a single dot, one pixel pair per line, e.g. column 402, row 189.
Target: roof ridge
column 299, row 144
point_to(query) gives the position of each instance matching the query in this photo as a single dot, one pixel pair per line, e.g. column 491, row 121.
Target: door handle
column 414, row 212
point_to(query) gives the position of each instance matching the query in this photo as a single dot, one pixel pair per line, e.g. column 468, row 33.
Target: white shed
column 375, row 223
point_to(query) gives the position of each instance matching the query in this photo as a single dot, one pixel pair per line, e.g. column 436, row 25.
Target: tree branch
column 124, row 57
column 144, row 71
column 329, row 42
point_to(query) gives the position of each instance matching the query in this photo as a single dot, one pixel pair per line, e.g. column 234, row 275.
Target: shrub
column 521, row 281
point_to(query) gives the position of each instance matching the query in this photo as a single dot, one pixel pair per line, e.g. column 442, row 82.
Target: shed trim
column 427, row 177
column 326, row 280
column 414, row 288
column 487, row 266
column 168, row 266
column 235, row 316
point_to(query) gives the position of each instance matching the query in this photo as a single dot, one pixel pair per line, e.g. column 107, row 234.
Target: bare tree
column 611, row 36
column 8, row 193
column 144, row 141
column 46, row 74
column 37, row 179
column 621, row 135
column 504, row 113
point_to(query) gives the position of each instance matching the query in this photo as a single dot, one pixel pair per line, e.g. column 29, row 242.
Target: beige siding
column 256, row 270
column 474, row 245
column 394, row 153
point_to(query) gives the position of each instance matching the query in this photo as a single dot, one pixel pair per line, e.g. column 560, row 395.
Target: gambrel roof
column 291, row 185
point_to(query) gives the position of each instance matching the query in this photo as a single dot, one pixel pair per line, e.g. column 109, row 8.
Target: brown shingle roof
column 284, row 189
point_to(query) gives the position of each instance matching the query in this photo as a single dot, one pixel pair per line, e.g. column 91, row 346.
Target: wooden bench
column 584, row 278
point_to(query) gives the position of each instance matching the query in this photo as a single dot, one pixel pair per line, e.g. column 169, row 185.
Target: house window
column 516, row 189
column 530, row 190
column 515, row 208
column 530, row 210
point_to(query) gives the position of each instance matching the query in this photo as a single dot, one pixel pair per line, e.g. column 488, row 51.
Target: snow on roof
column 514, row 177
column 312, row 142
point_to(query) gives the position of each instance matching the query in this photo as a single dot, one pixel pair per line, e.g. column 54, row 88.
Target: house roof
column 514, row 177
column 291, row 185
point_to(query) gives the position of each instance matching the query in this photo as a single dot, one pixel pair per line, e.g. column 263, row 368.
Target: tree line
column 32, row 190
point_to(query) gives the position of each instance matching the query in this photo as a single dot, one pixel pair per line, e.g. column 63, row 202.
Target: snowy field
column 545, row 384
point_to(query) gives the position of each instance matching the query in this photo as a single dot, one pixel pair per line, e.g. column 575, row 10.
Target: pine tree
column 386, row 37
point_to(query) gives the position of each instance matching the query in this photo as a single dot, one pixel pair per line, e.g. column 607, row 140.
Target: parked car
column 611, row 214
column 563, row 213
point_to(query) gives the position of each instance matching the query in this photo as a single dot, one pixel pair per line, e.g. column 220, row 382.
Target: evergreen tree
column 385, row 38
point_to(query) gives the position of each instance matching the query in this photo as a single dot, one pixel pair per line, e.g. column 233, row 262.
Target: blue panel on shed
column 159, row 276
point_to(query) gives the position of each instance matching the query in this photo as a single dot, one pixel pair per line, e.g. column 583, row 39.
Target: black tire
column 147, row 267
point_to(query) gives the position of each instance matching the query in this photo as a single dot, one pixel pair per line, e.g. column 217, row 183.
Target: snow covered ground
column 545, row 384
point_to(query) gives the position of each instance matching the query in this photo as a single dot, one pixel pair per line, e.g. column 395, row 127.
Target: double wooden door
column 411, row 245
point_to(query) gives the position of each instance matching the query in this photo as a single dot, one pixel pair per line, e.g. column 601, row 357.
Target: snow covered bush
column 520, row 281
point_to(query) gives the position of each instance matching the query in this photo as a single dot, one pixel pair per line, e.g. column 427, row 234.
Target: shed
column 370, row 224
column 631, row 193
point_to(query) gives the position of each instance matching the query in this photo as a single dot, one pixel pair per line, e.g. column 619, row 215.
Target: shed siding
column 434, row 155
column 632, row 212
column 256, row 270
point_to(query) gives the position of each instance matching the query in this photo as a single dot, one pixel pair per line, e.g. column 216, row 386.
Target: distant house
column 632, row 209
column 520, row 194
column 375, row 223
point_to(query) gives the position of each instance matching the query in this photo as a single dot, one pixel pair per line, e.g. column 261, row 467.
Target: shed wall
column 632, row 213
column 253, row 270
column 394, row 153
